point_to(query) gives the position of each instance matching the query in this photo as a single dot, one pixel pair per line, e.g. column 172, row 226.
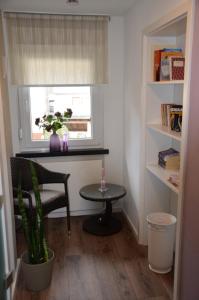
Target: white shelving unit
column 165, row 131
column 163, row 175
column 158, row 194
column 173, row 82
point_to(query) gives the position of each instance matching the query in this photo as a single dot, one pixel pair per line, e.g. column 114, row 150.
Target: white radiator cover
column 82, row 173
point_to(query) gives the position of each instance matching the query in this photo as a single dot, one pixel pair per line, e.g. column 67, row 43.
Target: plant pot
column 55, row 144
column 37, row 277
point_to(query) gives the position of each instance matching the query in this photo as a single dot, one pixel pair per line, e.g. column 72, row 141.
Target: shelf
column 70, row 152
column 166, row 131
column 172, row 82
column 163, row 175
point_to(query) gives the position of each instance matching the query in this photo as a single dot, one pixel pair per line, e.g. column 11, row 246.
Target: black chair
column 51, row 199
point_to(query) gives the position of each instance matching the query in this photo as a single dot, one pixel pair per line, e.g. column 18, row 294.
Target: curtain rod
column 54, row 13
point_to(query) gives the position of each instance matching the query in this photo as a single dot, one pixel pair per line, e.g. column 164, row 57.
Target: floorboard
column 88, row 267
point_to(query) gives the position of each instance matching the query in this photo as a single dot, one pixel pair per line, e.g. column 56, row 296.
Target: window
column 85, row 126
column 54, row 99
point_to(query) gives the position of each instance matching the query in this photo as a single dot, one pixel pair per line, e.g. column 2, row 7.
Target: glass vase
column 65, row 142
column 55, row 144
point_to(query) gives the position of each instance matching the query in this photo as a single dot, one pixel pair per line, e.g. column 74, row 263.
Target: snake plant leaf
column 33, row 223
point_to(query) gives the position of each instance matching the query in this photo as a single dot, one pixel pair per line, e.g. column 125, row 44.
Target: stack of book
column 169, row 159
column 171, row 115
column 168, row 64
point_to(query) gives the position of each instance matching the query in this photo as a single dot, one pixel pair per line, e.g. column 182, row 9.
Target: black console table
column 103, row 224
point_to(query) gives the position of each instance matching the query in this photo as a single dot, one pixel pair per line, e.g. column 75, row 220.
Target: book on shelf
column 169, row 159
column 156, row 69
column 176, row 119
column 177, row 65
column 165, row 114
column 171, row 115
column 162, row 63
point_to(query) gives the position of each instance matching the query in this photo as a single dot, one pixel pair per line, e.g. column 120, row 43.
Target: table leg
column 108, row 212
column 104, row 224
column 106, row 217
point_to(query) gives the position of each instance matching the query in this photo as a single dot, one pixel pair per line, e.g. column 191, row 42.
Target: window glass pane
column 49, row 100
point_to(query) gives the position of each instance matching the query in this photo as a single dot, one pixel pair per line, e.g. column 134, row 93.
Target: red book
column 156, row 69
column 177, row 65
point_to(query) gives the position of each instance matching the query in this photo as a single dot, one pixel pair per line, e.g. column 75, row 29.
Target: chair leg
column 68, row 219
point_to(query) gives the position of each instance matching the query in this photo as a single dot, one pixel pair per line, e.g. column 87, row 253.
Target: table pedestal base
column 99, row 225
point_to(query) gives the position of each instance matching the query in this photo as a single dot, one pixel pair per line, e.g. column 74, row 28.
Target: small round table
column 103, row 224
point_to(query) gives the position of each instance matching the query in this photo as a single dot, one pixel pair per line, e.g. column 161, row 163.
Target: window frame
column 97, row 121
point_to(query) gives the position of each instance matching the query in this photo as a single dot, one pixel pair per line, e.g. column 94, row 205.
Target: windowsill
column 70, row 152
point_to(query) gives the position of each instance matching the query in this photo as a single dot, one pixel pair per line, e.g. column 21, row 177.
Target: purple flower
column 58, row 114
column 37, row 121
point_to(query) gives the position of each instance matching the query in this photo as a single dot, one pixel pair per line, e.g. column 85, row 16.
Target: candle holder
column 103, row 188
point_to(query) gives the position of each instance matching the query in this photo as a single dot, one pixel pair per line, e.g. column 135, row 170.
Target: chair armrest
column 46, row 176
column 25, row 195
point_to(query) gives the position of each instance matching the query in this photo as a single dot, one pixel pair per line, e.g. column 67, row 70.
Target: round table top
column 92, row 192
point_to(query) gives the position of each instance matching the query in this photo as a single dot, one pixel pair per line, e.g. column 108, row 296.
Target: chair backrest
column 20, row 169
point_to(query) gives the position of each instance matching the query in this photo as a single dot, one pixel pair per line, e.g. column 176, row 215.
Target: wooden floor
column 88, row 267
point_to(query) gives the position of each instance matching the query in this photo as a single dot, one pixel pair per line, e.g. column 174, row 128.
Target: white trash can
column 161, row 238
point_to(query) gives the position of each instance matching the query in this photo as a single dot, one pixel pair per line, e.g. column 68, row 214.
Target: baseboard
column 15, row 277
column 62, row 214
column 132, row 226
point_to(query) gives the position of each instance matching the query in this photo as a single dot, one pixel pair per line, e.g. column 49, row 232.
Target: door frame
column 6, row 184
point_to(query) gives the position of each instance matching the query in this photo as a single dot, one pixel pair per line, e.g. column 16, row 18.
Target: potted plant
column 37, row 261
column 54, row 122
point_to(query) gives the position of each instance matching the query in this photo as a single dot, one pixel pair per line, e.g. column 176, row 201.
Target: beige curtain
column 57, row 49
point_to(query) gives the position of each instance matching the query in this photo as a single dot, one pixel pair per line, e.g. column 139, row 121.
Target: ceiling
column 104, row 7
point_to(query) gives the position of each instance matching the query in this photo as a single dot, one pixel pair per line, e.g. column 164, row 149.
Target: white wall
column 114, row 103
column 112, row 114
column 142, row 14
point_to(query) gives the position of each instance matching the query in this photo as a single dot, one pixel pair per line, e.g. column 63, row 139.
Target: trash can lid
column 160, row 218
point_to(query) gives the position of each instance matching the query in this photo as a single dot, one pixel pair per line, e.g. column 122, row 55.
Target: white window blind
column 57, row 49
